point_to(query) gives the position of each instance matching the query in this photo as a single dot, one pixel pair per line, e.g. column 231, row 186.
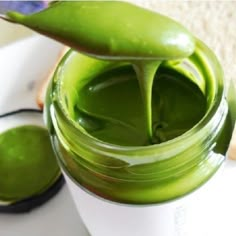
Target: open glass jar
column 145, row 175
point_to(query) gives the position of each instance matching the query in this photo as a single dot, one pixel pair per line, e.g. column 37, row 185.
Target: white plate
column 23, row 66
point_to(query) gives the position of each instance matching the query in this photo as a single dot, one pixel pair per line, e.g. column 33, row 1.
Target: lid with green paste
column 29, row 174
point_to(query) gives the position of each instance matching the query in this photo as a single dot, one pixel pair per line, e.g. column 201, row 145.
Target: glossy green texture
column 110, row 107
column 111, row 29
column 145, row 71
column 138, row 174
column 28, row 165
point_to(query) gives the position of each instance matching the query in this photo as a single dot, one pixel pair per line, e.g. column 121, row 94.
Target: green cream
column 116, row 31
column 111, row 29
column 110, row 107
column 28, row 165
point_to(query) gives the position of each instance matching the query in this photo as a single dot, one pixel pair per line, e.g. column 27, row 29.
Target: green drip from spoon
column 146, row 71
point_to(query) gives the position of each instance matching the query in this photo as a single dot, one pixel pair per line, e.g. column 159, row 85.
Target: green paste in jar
column 123, row 93
column 110, row 107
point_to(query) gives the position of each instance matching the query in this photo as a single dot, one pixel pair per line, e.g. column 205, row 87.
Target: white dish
column 23, row 66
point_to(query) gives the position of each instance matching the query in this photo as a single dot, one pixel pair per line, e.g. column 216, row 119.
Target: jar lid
column 29, row 174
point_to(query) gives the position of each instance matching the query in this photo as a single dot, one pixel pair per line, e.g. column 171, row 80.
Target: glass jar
column 137, row 177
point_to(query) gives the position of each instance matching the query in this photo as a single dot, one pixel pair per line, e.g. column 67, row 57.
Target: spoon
column 110, row 29
column 4, row 17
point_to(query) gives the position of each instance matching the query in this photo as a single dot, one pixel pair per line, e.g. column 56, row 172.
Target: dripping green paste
column 110, row 107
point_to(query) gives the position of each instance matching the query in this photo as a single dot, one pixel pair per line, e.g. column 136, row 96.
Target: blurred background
column 9, row 32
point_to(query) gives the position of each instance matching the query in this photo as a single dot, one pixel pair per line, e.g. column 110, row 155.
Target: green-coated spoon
column 111, row 29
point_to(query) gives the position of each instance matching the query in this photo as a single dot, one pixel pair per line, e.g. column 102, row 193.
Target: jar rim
column 218, row 98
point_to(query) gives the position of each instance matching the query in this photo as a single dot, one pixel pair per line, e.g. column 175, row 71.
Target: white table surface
column 58, row 217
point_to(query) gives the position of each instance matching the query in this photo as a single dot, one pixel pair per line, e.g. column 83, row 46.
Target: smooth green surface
column 27, row 163
column 110, row 107
column 118, row 30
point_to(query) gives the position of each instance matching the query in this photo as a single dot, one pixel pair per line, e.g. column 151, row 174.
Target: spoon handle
column 5, row 17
